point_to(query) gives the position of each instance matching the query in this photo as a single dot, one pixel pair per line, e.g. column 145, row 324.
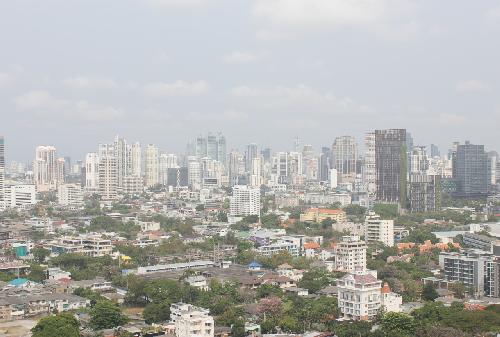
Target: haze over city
column 265, row 71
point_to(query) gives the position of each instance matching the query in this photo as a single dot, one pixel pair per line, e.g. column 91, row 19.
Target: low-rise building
column 359, row 296
column 320, row 214
column 191, row 321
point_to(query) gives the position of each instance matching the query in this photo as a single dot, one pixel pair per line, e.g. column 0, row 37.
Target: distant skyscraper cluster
column 389, row 168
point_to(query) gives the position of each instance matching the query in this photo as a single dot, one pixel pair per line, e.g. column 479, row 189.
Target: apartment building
column 473, row 268
column 320, row 214
column 359, row 296
column 378, row 230
column 191, row 321
column 350, row 254
column 91, row 245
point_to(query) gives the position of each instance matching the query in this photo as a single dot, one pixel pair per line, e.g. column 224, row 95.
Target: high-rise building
column 122, row 159
column 212, row 146
column 471, row 170
column 378, row 230
column 177, row 177
column 391, row 165
column 256, row 172
column 194, row 174
column 266, row 155
column 245, row 201
column 250, row 153
column 419, row 163
column 92, row 172
column 350, row 254
column 47, row 169
column 435, row 151
column 345, row 158
column 424, row 192
column 2, row 172
column 324, row 164
column 369, row 167
column 152, row 166
column 136, row 159
column 235, row 162
column 167, row 161
column 108, row 176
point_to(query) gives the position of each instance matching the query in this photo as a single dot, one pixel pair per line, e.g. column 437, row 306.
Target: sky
column 74, row 73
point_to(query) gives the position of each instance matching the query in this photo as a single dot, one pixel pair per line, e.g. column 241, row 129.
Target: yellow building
column 320, row 214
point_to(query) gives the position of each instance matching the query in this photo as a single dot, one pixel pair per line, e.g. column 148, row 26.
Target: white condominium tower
column 47, row 169
column 2, row 173
column 108, row 176
column 245, row 201
column 136, row 159
column 152, row 166
column 369, row 168
column 92, row 172
column 378, row 230
column 256, row 172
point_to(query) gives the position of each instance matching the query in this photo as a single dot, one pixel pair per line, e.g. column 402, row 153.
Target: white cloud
column 300, row 99
column 5, row 79
column 493, row 17
column 450, row 119
column 82, row 82
column 375, row 15
column 239, row 57
column 472, row 86
column 177, row 3
column 47, row 107
column 38, row 99
column 178, row 88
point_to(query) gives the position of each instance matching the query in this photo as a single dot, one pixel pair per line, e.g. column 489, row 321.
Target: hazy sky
column 75, row 73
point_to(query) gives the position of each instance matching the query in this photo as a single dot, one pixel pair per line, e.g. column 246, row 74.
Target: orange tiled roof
column 311, row 245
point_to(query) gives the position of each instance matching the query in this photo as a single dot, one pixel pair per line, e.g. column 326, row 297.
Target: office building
column 435, row 151
column 245, row 201
column 424, row 193
column 391, row 165
column 191, row 321
column 471, row 170
column 21, row 197
column 251, row 152
column 211, row 146
column 378, row 230
column 70, row 195
column 345, row 158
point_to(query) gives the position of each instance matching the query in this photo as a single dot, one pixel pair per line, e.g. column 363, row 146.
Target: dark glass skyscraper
column 471, row 170
column 391, row 165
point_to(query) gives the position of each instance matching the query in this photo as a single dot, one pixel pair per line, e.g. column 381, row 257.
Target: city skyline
column 316, row 75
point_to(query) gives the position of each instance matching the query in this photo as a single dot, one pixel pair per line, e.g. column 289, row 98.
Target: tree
column 315, row 279
column 40, row 254
column 106, row 315
column 397, row 323
column 156, row 312
column 429, row 293
column 61, row 325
